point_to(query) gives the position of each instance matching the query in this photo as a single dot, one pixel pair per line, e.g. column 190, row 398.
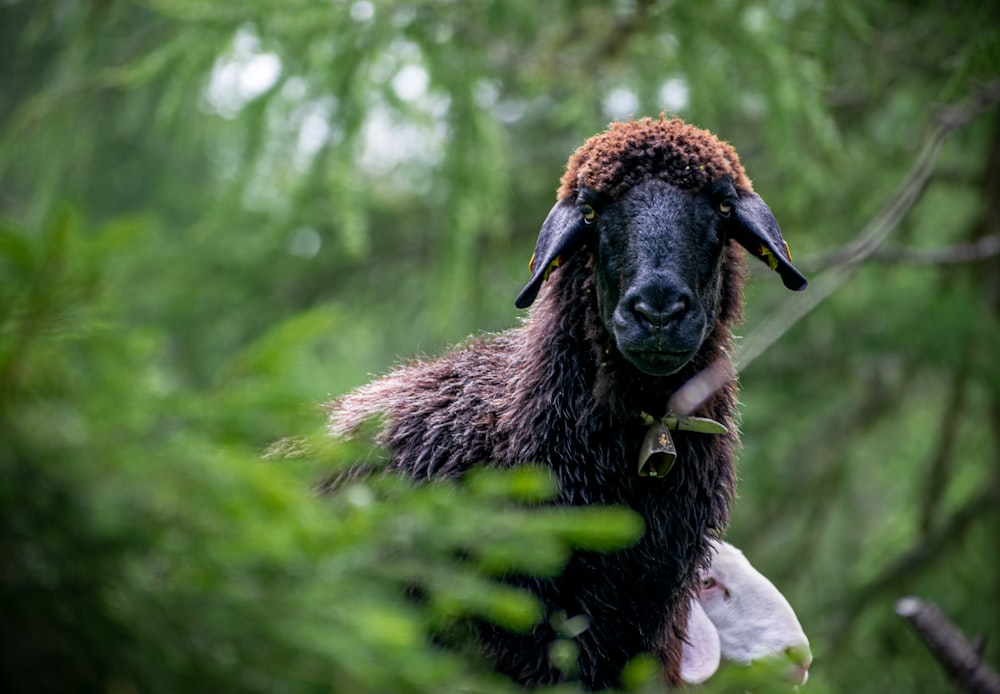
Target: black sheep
column 645, row 287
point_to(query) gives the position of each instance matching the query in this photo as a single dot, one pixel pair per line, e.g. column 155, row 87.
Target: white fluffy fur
column 751, row 619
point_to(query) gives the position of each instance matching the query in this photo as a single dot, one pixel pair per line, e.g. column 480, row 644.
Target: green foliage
column 148, row 545
column 215, row 216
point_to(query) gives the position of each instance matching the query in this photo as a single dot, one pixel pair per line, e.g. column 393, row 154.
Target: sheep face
column 658, row 252
column 654, row 202
column 657, row 255
column 753, row 619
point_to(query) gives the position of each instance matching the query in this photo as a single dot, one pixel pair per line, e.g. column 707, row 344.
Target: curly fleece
column 641, row 150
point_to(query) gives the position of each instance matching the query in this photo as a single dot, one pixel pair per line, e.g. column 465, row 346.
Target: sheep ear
column 702, row 650
column 558, row 238
column 757, row 231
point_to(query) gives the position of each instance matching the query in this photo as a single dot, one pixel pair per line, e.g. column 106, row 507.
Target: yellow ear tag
column 531, row 265
column 764, row 253
column 552, row 266
column 788, row 251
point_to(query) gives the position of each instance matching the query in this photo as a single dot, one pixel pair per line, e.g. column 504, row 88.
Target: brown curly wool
column 558, row 391
column 640, row 150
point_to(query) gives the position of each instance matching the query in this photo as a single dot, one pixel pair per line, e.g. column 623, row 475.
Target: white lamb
column 741, row 617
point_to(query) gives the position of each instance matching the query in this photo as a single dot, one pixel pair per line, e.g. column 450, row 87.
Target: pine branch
column 960, row 659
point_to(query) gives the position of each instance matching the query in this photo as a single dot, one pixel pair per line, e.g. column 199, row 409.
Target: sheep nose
column 801, row 658
column 660, row 316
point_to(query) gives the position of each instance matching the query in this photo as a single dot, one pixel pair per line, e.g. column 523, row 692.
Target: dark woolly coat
column 556, row 391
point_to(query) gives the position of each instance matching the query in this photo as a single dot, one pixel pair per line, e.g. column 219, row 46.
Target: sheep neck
column 565, row 325
column 658, row 453
column 567, row 315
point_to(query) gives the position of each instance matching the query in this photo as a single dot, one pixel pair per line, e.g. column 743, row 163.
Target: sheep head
column 740, row 616
column 655, row 202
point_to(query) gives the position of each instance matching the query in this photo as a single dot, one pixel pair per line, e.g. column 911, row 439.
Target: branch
column 947, row 121
column 937, row 474
column 962, row 662
column 984, row 248
column 931, row 547
column 823, row 445
column 970, row 252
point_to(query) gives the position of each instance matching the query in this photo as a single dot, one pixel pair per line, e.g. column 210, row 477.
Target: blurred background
column 214, row 216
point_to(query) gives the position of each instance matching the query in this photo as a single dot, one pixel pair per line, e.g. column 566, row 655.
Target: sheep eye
column 725, row 207
column 707, row 582
column 589, row 213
